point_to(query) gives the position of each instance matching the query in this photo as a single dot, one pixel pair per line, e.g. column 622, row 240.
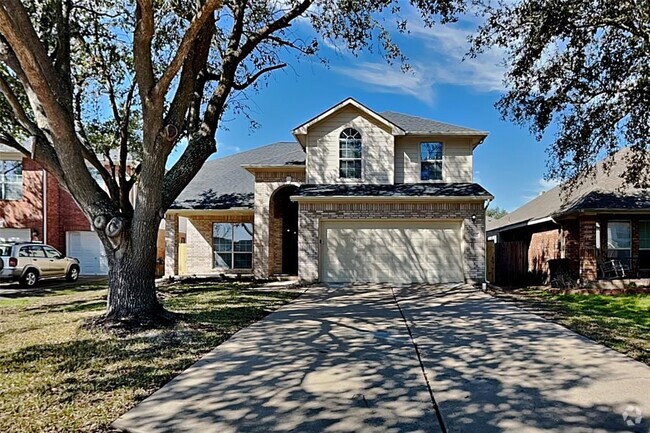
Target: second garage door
column 391, row 251
column 86, row 246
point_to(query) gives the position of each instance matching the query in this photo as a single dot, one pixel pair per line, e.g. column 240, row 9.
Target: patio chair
column 612, row 268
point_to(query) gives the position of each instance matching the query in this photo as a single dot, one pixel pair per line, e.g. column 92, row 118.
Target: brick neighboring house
column 34, row 207
column 600, row 220
column 361, row 196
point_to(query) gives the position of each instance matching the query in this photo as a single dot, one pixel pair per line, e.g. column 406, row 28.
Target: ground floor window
column 619, row 240
column 644, row 245
column 233, row 245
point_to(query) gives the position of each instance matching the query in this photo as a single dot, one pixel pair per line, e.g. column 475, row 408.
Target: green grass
column 621, row 322
column 56, row 375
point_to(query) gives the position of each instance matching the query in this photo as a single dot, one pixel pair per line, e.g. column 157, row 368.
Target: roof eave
column 348, row 198
column 300, row 132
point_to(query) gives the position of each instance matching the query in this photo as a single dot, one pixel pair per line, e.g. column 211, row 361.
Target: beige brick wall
column 171, row 245
column 310, row 215
column 265, row 259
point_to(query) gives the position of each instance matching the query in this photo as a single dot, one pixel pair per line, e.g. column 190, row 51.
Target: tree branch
column 143, row 36
column 17, row 108
column 186, row 45
column 252, row 78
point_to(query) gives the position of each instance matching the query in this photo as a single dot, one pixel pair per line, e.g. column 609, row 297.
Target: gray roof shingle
column 223, row 183
column 399, row 190
column 420, row 125
column 604, row 191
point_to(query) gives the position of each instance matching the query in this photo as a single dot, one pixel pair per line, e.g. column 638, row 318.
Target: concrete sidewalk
column 495, row 368
column 335, row 360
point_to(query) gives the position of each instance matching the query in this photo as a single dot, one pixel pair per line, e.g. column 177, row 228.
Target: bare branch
column 252, row 78
column 143, row 36
column 10, row 141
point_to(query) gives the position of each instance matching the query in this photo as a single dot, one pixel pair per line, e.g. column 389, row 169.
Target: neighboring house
column 601, row 219
column 34, row 207
column 362, row 196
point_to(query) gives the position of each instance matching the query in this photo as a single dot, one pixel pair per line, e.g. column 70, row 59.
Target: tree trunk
column 131, row 276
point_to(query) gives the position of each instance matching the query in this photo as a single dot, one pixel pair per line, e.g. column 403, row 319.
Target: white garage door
column 398, row 251
column 86, row 246
column 15, row 235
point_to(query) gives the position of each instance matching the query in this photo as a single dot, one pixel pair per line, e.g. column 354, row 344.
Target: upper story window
column 350, row 154
column 11, row 180
column 431, row 161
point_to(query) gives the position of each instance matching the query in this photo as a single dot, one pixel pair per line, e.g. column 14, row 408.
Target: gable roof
column 223, row 183
column 421, row 126
column 603, row 192
column 301, row 131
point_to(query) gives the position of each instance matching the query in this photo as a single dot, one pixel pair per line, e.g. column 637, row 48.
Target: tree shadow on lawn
column 98, row 365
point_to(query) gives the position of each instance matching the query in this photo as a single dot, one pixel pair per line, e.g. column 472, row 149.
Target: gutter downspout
column 44, row 206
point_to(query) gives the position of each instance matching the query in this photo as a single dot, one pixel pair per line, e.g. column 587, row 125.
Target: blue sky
column 441, row 86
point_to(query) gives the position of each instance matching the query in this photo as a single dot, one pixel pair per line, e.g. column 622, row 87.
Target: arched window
column 350, row 154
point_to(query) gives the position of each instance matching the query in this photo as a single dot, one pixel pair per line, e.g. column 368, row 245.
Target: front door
column 290, row 239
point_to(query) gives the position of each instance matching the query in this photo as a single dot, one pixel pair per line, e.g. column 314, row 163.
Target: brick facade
column 63, row 214
column 543, row 246
column 311, row 213
column 267, row 241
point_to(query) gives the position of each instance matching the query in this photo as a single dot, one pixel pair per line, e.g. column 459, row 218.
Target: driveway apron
column 496, row 368
column 335, row 360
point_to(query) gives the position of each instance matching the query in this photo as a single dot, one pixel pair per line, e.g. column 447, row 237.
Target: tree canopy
column 580, row 70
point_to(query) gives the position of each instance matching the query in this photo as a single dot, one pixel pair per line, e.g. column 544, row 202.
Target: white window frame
column 4, row 183
column 441, row 160
column 629, row 223
column 360, row 159
column 232, row 250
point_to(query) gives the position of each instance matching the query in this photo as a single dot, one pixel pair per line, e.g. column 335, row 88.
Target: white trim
column 301, row 131
column 215, row 212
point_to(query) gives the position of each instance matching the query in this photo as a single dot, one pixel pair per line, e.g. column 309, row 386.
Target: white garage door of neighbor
column 15, row 235
column 86, row 246
column 391, row 251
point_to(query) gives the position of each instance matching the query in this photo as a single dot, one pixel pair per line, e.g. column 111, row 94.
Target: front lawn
column 621, row 322
column 58, row 376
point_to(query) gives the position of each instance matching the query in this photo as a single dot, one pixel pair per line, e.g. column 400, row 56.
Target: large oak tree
column 578, row 69
column 92, row 82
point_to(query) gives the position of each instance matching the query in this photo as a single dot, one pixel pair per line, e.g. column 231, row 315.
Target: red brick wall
column 28, row 211
column 63, row 214
column 543, row 246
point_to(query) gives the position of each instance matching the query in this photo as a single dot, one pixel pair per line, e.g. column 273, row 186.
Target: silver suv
column 28, row 262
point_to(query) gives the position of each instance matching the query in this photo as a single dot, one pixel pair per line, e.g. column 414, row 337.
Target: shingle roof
column 420, row 125
column 400, row 190
column 604, row 191
column 224, row 184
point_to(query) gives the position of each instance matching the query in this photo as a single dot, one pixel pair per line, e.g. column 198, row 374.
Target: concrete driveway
column 343, row 360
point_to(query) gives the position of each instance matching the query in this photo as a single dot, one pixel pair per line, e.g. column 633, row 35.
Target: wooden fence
column 510, row 263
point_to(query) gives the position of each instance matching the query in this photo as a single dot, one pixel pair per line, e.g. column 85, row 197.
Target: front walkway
column 341, row 360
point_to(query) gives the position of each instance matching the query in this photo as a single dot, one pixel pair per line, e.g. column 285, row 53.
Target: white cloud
column 447, row 46
column 390, row 79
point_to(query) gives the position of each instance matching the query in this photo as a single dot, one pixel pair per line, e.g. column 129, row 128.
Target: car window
column 24, row 252
column 36, row 252
column 5, row 250
column 51, row 253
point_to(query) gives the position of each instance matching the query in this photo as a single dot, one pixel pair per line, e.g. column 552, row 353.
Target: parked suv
column 28, row 262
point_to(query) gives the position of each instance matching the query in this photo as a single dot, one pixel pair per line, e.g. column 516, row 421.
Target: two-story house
column 361, row 196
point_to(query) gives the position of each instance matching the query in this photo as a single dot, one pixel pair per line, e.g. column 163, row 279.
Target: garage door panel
column 384, row 251
column 86, row 246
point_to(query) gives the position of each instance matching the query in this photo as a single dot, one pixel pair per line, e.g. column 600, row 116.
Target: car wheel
column 73, row 274
column 29, row 279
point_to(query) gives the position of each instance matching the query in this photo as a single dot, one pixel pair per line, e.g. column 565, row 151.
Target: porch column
column 171, row 245
column 588, row 253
